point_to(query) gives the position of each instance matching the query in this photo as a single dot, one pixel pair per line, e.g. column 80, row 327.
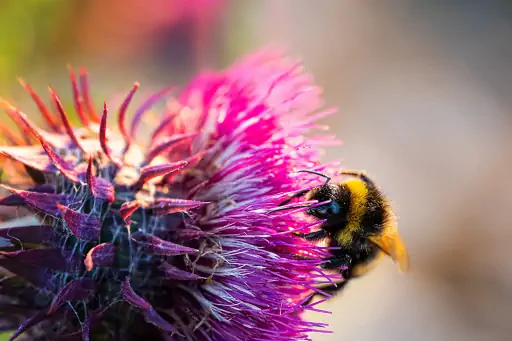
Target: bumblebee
column 359, row 224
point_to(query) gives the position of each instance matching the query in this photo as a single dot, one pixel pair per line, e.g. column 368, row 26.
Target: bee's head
column 336, row 210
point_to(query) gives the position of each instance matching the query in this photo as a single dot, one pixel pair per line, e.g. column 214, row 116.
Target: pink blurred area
column 129, row 28
column 425, row 106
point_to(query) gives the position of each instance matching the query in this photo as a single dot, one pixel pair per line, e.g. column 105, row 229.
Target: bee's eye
column 334, row 208
column 325, row 210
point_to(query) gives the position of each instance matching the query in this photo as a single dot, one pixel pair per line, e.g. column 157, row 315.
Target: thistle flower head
column 175, row 239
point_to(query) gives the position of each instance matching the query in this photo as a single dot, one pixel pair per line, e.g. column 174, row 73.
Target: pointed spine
column 122, row 114
column 150, row 172
column 151, row 244
column 165, row 206
column 145, row 107
column 47, row 114
column 90, row 177
column 83, row 226
column 102, row 256
column 163, row 125
column 28, row 323
column 98, row 187
column 41, row 201
column 65, row 119
column 127, row 209
column 167, row 144
column 76, row 290
column 12, row 113
column 191, row 162
column 57, row 161
column 89, row 105
column 103, row 136
column 130, row 296
column 77, row 98
column 12, row 138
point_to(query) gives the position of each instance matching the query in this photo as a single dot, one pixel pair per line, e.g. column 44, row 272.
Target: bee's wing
column 389, row 242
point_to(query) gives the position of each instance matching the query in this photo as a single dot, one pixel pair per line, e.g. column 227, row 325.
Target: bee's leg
column 341, row 263
column 296, row 195
column 309, row 299
column 337, row 262
column 331, row 290
column 312, row 236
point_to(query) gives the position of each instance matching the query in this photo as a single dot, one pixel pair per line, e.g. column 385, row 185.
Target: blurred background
column 425, row 106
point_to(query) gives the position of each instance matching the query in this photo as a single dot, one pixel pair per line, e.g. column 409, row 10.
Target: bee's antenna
column 360, row 174
column 328, row 178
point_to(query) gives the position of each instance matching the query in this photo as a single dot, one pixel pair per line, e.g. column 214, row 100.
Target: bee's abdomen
column 376, row 213
column 367, row 261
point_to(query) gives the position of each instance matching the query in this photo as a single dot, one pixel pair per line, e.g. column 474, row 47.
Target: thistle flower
column 176, row 240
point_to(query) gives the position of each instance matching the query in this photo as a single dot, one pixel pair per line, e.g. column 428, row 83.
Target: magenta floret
column 176, row 240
